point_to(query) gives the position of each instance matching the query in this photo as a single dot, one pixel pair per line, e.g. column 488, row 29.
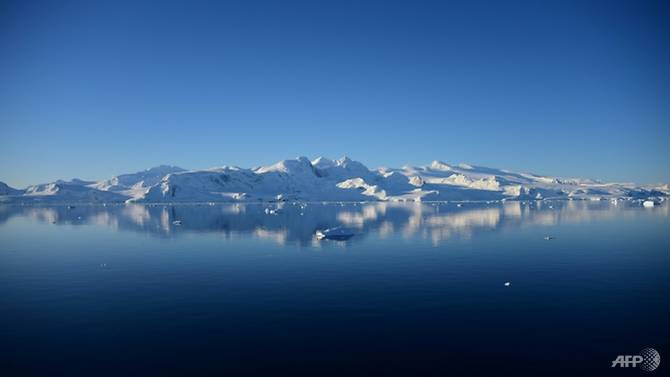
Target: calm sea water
column 419, row 290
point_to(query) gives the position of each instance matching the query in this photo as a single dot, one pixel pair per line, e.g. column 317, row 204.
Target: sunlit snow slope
column 326, row 180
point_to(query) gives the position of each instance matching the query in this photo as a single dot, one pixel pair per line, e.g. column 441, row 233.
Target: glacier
column 322, row 179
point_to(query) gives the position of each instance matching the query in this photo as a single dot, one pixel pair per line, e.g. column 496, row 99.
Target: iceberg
column 337, row 233
column 648, row 204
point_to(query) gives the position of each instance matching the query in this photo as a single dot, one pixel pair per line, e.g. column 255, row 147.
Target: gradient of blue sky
column 92, row 88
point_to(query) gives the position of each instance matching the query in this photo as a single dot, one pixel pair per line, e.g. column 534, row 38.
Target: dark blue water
column 419, row 290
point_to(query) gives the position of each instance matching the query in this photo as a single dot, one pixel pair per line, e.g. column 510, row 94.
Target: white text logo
column 649, row 359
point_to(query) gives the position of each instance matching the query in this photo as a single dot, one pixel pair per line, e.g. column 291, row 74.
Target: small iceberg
column 548, row 238
column 507, row 284
column 271, row 211
column 337, row 233
column 648, row 203
column 176, row 222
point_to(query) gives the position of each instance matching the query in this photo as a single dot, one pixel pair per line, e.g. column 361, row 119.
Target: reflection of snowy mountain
column 298, row 222
column 325, row 180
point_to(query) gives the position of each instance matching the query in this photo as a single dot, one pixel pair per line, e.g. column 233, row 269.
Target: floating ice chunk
column 459, row 205
column 648, row 203
column 337, row 233
column 548, row 238
column 507, row 284
column 176, row 222
column 272, row 211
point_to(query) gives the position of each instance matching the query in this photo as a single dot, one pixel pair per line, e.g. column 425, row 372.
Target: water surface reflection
column 297, row 222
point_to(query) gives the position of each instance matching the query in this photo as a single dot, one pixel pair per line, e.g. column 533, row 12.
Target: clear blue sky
column 91, row 89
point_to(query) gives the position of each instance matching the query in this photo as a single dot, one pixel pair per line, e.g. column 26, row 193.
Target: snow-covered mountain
column 135, row 184
column 65, row 192
column 6, row 190
column 326, row 180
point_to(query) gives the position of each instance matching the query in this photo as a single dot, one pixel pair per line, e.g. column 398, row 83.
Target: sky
column 93, row 89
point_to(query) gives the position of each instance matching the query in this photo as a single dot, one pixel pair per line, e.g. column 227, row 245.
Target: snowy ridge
column 135, row 184
column 323, row 179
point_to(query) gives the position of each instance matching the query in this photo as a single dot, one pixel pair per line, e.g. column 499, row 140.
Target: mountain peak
column 322, row 162
column 164, row 168
column 344, row 160
column 74, row 181
column 304, row 160
column 298, row 165
column 439, row 165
